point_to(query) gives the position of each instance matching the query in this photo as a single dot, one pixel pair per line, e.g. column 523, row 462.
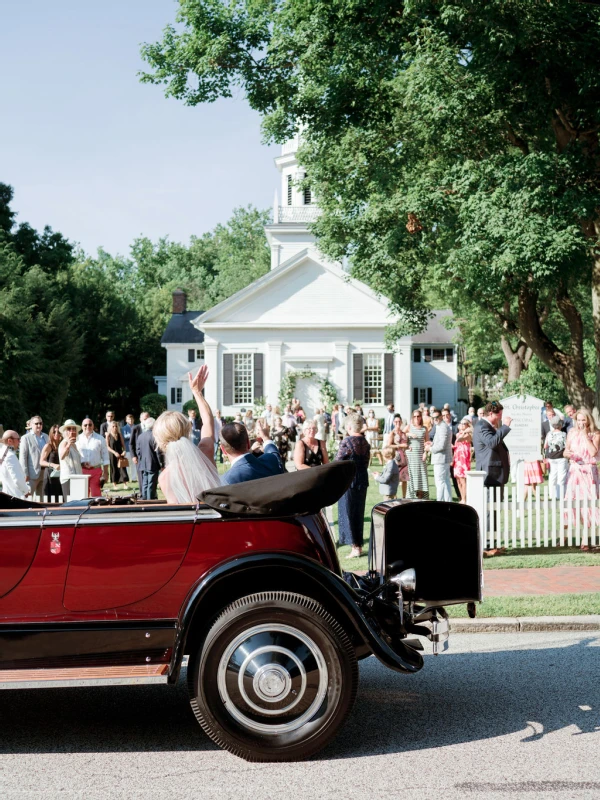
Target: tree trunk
column 596, row 316
column 517, row 359
column 568, row 367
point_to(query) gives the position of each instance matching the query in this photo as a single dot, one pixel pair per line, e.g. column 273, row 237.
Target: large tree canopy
column 79, row 334
column 451, row 143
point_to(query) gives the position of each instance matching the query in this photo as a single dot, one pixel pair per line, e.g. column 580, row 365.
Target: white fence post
column 78, row 487
column 476, row 499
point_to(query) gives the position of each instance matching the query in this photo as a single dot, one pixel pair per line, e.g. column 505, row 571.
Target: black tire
column 275, row 678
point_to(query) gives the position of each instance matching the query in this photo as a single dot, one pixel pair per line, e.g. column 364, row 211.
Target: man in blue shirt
column 245, row 466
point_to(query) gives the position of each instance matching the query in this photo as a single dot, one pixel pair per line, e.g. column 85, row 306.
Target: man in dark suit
column 245, row 466
column 491, row 454
column 149, row 459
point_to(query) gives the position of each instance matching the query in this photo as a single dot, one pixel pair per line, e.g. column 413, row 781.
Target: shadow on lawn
column 456, row 698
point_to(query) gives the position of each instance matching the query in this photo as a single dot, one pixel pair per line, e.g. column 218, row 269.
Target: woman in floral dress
column 462, row 456
column 396, row 439
column 417, row 436
column 583, row 443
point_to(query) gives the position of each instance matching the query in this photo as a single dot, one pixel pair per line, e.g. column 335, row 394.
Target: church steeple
column 293, row 208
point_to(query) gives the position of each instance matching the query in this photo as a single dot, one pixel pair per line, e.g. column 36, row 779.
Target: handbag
column 55, row 473
column 122, row 462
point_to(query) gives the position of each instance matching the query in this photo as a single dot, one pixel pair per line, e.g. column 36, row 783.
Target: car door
column 123, row 555
column 20, row 533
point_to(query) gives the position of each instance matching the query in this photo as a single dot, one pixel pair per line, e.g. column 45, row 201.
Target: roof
column 435, row 332
column 180, row 329
column 306, row 491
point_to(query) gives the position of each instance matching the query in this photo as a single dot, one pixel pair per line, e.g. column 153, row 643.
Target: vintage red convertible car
column 247, row 583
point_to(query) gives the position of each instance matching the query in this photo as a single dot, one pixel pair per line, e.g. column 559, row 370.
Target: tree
column 449, row 141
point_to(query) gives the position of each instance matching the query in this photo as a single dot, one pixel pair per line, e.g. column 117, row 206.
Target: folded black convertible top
column 304, row 492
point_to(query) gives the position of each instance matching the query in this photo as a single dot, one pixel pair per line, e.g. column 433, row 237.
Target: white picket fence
column 508, row 519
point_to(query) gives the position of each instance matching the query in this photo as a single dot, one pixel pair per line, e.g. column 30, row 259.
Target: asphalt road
column 499, row 715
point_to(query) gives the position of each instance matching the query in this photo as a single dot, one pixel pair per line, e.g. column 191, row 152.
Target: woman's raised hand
column 197, row 382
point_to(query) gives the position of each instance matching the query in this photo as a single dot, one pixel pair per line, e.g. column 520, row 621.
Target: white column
column 476, row 499
column 78, row 487
column 273, row 372
column 213, row 389
column 403, row 388
column 341, row 370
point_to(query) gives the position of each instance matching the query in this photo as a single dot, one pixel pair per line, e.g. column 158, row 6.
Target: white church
column 306, row 317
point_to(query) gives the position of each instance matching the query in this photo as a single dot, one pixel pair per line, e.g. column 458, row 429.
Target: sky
column 102, row 158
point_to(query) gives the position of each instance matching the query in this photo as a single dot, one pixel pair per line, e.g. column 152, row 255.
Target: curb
column 590, row 622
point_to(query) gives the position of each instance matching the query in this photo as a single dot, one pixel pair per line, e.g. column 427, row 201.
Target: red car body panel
column 130, row 570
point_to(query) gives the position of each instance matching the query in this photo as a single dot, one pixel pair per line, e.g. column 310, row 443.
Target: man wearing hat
column 11, row 472
column 94, row 456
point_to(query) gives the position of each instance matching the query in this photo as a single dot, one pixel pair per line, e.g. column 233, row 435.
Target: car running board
column 83, row 676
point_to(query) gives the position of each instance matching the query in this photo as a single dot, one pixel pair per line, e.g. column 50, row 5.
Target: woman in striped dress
column 418, row 436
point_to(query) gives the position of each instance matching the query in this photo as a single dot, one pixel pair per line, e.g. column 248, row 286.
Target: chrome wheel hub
column 272, row 682
column 272, row 678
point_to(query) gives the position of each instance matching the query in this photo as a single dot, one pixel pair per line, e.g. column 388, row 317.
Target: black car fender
column 264, row 571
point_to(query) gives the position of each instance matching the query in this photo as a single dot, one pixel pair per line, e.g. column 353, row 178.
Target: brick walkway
column 552, row 580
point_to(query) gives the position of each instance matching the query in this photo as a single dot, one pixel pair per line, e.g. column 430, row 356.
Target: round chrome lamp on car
column 406, row 581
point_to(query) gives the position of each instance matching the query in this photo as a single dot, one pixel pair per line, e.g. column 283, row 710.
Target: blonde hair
column 388, row 452
column 590, row 420
column 170, row 427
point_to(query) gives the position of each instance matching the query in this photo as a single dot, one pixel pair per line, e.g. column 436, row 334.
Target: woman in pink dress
column 462, row 456
column 583, row 443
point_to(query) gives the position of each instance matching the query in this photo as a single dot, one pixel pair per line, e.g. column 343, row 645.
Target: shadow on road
column 456, row 698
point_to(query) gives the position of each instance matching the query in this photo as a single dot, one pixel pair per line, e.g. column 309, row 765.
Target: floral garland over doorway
column 287, row 387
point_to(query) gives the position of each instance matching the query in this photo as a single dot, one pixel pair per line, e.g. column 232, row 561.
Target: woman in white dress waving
column 190, row 468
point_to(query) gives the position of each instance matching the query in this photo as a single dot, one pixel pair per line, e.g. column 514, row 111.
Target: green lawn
column 549, row 605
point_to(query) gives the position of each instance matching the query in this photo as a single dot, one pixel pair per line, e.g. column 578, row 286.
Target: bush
column 191, row 404
column 154, row 404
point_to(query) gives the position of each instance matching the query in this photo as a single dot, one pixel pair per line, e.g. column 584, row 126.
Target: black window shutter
column 358, row 382
column 258, row 375
column 191, row 355
column 227, row 379
column 417, row 354
column 388, row 378
column 449, row 354
column 427, row 354
column 429, row 396
column 415, row 397
column 172, row 395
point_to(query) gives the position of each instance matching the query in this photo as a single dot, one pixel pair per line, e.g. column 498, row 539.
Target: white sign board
column 525, row 438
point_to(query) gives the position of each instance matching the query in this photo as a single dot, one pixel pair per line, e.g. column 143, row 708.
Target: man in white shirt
column 388, row 420
column 30, row 453
column 267, row 414
column 11, row 472
column 94, row 456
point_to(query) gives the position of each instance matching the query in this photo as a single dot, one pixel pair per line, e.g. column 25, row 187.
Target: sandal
column 356, row 552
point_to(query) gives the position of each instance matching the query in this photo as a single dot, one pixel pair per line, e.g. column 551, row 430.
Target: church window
column 289, row 190
column 417, row 355
column 373, row 378
column 449, row 354
column 175, row 395
column 242, row 378
column 427, row 352
column 191, row 356
column 200, row 355
column 439, row 354
column 422, row 395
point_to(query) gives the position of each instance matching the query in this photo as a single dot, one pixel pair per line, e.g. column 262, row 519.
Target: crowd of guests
column 179, row 453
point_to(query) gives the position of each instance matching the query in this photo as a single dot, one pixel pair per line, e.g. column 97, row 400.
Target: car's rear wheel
column 275, row 677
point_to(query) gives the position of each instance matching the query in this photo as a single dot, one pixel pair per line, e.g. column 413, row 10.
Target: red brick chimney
column 179, row 301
